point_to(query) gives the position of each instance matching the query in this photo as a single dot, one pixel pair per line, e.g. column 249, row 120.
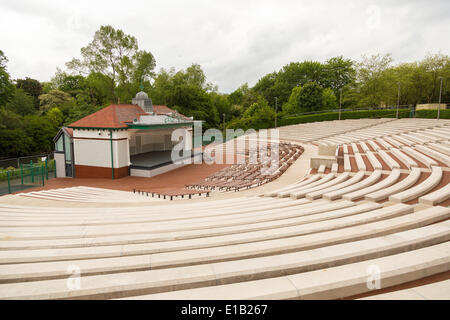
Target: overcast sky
column 234, row 41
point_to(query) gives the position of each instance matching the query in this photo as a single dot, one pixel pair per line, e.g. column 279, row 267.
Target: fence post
column 46, row 167
column 21, row 174
column 32, row 171
column 9, row 182
column 43, row 175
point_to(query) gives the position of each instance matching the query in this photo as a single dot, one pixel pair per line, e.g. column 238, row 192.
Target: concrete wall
column 92, row 152
column 430, row 106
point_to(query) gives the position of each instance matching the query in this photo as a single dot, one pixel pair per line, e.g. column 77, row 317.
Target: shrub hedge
column 403, row 113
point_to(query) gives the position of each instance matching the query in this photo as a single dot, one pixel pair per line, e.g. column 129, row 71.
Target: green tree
column 6, row 86
column 32, row 87
column 293, row 105
column 329, row 100
column 310, row 97
column 21, row 103
column 56, row 99
column 115, row 55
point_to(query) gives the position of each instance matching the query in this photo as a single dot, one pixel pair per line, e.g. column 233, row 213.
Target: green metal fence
column 26, row 175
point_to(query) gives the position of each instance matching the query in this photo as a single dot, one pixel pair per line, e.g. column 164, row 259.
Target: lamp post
column 223, row 122
column 398, row 99
column 276, row 111
column 340, row 102
column 440, row 95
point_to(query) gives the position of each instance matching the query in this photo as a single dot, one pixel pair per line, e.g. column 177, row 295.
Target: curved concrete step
column 123, row 284
column 432, row 181
column 435, row 154
column 373, row 161
column 433, row 291
column 324, row 179
column 420, row 156
column 437, row 196
column 169, row 231
column 410, row 180
column 388, row 181
column 408, row 161
column 302, row 193
column 388, row 159
column 292, row 186
column 360, row 162
column 374, row 177
column 319, row 193
column 336, row 283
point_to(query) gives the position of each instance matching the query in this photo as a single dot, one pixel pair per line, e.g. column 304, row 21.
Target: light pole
column 398, row 99
column 440, row 95
column 276, row 111
column 340, row 102
column 223, row 114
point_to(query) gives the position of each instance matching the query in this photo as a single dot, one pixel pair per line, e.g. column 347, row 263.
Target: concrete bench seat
column 395, row 143
column 420, row 156
column 433, row 291
column 322, row 180
column 435, row 154
column 302, row 193
column 375, row 146
column 154, row 211
column 403, row 139
column 414, row 138
column 345, row 149
column 360, row 162
column 347, row 164
column 364, row 146
column 411, row 179
column 374, row 177
column 374, row 161
column 144, row 217
column 388, row 181
column 388, row 160
column 157, row 280
column 334, row 283
column 334, row 168
column 324, row 222
column 433, row 180
column 437, row 196
column 292, row 186
column 92, row 221
column 366, row 224
column 383, row 143
column 440, row 148
column 169, row 231
column 319, row 193
column 354, row 147
column 403, row 157
column 317, row 223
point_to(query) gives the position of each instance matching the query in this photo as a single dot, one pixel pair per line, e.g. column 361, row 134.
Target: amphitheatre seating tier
column 301, row 235
column 157, row 280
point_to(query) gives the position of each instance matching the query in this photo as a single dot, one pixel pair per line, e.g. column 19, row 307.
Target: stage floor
column 151, row 159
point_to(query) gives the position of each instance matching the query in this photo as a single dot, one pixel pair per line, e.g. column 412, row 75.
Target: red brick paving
column 169, row 181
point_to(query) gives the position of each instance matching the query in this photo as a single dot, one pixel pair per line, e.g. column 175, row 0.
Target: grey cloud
column 234, row 41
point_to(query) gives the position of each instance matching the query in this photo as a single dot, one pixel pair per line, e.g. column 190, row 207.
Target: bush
column 432, row 114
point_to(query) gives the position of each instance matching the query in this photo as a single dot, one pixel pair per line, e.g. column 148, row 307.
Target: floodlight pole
column 276, row 111
column 398, row 99
column 440, row 95
column 223, row 114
